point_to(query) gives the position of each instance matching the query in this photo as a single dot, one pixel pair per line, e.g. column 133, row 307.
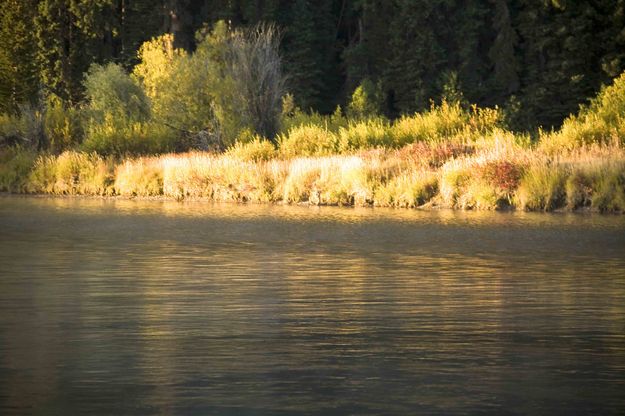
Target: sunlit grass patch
column 407, row 190
column 255, row 150
column 139, row 177
column 542, row 187
column 220, row 178
column 365, row 134
column 71, row 173
column 308, row 140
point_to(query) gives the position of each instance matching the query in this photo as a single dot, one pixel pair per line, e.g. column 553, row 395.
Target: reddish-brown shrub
column 502, row 174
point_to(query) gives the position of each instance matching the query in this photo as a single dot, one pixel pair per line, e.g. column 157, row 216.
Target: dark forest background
column 538, row 59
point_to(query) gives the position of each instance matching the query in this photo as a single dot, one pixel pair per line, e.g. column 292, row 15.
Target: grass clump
column 255, row 150
column 598, row 185
column 308, row 140
column 542, row 187
column 15, row 166
column 483, row 181
column 71, row 173
column 364, row 135
column 431, row 155
column 218, row 178
column 337, row 180
column 455, row 177
column 407, row 190
column 139, row 177
column 609, row 195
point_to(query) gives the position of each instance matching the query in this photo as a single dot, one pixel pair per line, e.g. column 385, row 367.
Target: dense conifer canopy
column 544, row 57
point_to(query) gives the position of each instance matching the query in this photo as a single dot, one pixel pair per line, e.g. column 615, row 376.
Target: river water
column 149, row 307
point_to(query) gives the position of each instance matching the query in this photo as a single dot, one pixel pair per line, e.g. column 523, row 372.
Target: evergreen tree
column 367, row 50
column 60, row 52
column 303, row 57
column 611, row 38
column 502, row 52
column 549, row 55
column 18, row 72
column 560, row 58
column 465, row 41
column 416, row 56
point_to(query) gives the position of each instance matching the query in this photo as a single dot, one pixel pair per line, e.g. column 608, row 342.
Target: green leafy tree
column 366, row 101
column 118, row 114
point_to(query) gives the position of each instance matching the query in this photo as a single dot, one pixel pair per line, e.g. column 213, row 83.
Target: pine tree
column 303, row 57
column 60, row 54
column 416, row 56
column 611, row 38
column 367, row 52
column 463, row 40
column 18, row 72
column 502, row 52
column 560, row 58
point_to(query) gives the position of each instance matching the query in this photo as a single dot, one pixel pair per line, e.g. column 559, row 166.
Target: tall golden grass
column 501, row 175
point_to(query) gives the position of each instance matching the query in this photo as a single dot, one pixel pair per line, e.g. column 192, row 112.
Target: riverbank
column 451, row 156
column 500, row 175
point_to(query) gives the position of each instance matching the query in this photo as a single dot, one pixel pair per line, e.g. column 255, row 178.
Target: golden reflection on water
column 121, row 306
column 200, row 209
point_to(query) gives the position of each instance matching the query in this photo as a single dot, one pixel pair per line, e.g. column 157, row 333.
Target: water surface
column 144, row 307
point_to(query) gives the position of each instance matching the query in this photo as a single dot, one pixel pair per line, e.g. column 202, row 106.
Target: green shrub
column 364, row 135
column 603, row 121
column 25, row 129
column 62, row 125
column 256, row 150
column 111, row 91
column 11, row 129
column 366, row 101
column 293, row 118
column 308, row 140
column 440, row 123
column 448, row 122
column 119, row 112
column 112, row 137
column 15, row 166
column 179, row 85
